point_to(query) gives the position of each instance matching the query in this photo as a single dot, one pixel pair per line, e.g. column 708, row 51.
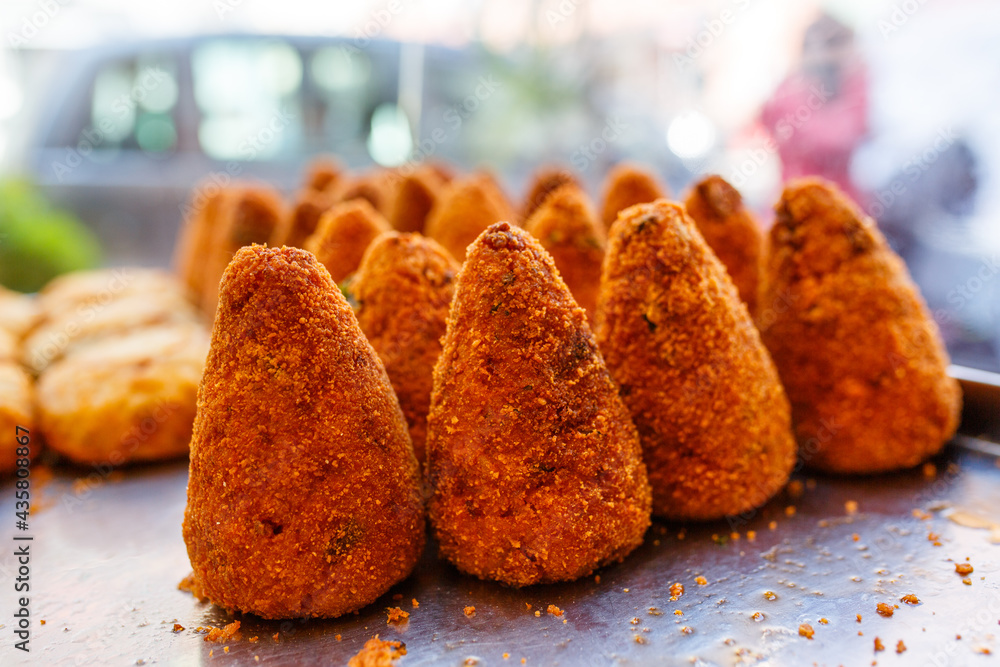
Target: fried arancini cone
column 126, row 397
column 304, row 495
column 344, row 233
column 403, row 290
column 375, row 187
column 18, row 312
column 712, row 415
column 565, row 225
column 535, row 466
column 323, row 173
column 304, row 216
column 248, row 215
column 545, row 181
column 195, row 238
column 857, row 349
column 414, row 196
column 465, row 209
column 730, row 231
column 16, row 409
column 625, row 185
column 73, row 293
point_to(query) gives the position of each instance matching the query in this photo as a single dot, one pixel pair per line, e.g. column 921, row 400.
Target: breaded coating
column 304, row 494
column 16, row 409
column 857, row 349
column 730, row 231
column 10, row 347
column 712, row 415
column 248, row 215
column 375, row 187
column 124, row 398
column 414, row 196
column 58, row 336
column 403, row 291
column 565, row 225
column 194, row 240
column 465, row 209
column 344, row 233
column 535, row 467
column 304, row 216
column 628, row 184
column 546, row 181
column 74, row 292
column 323, row 174
column 18, row 312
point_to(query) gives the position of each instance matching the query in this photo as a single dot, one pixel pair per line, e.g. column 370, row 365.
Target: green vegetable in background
column 39, row 242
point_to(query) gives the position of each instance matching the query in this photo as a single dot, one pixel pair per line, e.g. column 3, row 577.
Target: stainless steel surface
column 108, row 554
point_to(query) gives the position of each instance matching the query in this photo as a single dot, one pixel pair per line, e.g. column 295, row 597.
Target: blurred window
column 132, row 107
column 249, row 93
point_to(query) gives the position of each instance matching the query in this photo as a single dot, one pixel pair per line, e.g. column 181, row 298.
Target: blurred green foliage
column 38, row 241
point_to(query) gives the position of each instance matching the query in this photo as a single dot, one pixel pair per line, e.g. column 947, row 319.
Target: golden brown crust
column 127, row 397
column 413, row 198
column 466, row 207
column 730, row 231
column 323, row 174
column 16, row 409
column 546, row 181
column 18, row 312
column 403, row 290
column 248, row 215
column 534, row 464
column 195, row 238
column 304, row 216
column 704, row 394
column 344, row 233
column 567, row 228
column 375, row 187
column 304, row 494
column 625, row 185
column 860, row 355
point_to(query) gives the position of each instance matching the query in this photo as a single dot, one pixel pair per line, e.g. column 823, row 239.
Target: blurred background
column 110, row 111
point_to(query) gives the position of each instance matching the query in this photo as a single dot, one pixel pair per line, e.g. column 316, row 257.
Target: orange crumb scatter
column 772, row 526
column 231, row 631
column 397, row 615
column 255, row 639
column 806, row 630
column 900, row 646
column 851, row 506
column 189, row 584
column 734, row 536
column 415, row 603
column 625, row 590
column 597, row 578
column 635, row 620
column 554, row 610
column 397, row 597
column 653, row 611
column 276, row 636
column 920, row 514
column 963, row 568
column 770, row 595
column 678, row 612
column 884, row 609
column 757, row 616
column 470, row 611
column 337, row 637
column 225, row 649
column 879, row 646
column 855, row 537
column 687, row 630
column 967, row 581
column 178, row 627
column 676, row 590
column 983, row 650
column 751, row 535
column 506, row 656
column 929, row 470
column 524, row 660
column 528, row 606
column 377, row 653
column 910, row 598
column 537, row 613
column 790, row 510
column 824, row 621
column 795, row 488
column 702, row 581
column 859, row 618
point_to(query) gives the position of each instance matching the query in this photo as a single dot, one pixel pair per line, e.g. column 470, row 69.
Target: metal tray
column 107, row 555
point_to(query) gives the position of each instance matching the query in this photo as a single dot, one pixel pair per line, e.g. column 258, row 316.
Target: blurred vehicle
column 125, row 131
